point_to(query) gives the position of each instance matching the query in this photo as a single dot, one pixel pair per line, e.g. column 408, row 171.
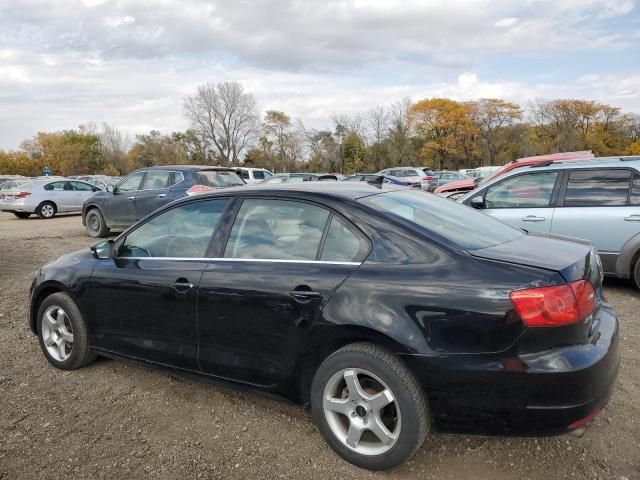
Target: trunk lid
column 573, row 258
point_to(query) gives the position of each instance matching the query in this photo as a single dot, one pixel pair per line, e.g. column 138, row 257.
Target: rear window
column 456, row 223
column 595, row 188
column 218, row 178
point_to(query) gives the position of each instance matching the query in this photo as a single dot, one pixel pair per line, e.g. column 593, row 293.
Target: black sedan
column 391, row 312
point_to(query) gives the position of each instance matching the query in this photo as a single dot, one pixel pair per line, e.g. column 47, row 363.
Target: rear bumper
column 534, row 393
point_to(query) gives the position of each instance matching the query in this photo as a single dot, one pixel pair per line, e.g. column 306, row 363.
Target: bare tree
column 400, row 152
column 113, row 147
column 226, row 117
column 377, row 122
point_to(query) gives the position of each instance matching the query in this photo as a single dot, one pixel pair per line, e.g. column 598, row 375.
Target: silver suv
column 598, row 200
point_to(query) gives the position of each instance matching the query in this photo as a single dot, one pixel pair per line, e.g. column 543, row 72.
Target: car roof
column 337, row 190
column 187, row 167
column 599, row 162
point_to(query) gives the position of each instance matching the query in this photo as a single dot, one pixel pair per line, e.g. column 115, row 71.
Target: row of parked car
column 570, row 194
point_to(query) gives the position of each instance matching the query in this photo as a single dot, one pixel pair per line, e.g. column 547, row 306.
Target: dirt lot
column 115, row 420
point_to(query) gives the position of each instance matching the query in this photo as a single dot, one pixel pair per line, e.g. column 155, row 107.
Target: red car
column 466, row 185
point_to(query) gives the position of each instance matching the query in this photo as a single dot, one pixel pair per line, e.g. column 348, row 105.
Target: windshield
column 218, row 178
column 457, row 223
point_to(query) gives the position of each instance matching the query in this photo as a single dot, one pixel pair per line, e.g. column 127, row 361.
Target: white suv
column 253, row 175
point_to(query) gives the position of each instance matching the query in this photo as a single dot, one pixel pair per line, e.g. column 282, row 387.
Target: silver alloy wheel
column 362, row 411
column 57, row 333
column 47, row 210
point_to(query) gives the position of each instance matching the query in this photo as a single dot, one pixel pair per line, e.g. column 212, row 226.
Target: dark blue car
column 148, row 189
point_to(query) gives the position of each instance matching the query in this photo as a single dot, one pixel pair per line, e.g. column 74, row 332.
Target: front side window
column 156, row 180
column 258, row 174
column 131, row 183
column 523, row 191
column 464, row 226
column 597, row 188
column 277, row 229
column 182, row 232
column 343, row 243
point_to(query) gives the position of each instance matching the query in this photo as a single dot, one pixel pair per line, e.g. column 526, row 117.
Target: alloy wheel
column 47, row 211
column 362, row 411
column 57, row 333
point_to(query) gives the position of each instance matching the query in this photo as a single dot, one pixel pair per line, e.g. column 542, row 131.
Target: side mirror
column 110, row 188
column 102, row 250
column 477, row 202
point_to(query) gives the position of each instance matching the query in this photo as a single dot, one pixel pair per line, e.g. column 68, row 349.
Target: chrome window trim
column 220, row 259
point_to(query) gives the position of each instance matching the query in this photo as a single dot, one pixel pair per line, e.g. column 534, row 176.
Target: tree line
column 227, row 129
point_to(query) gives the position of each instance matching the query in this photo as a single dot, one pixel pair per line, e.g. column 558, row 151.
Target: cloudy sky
column 131, row 62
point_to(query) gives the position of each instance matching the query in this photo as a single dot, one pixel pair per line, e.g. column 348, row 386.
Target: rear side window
column 156, row 180
column 523, row 191
column 634, row 197
column 244, row 174
column 57, row 186
column 596, row 188
column 276, row 229
column 343, row 243
column 461, row 225
column 218, row 178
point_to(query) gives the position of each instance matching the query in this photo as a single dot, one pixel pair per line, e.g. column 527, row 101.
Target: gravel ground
column 116, row 420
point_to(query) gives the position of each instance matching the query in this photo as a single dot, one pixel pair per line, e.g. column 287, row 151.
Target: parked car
column 253, row 175
column 300, row 177
column 148, row 189
column 598, row 200
column 415, row 176
column 467, row 185
column 13, row 184
column 443, row 177
column 362, row 177
column 46, row 197
column 391, row 312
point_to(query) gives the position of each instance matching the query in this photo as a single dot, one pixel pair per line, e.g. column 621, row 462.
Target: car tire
column 22, row 214
column 62, row 333
column 377, row 377
column 46, row 210
column 636, row 273
column 95, row 224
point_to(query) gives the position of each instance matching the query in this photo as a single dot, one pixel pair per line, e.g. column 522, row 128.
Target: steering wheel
column 185, row 248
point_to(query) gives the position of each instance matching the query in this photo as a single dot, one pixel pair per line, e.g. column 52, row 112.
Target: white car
column 253, row 175
column 46, row 197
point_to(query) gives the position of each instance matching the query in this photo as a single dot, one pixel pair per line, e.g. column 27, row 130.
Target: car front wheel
column 369, row 407
column 96, row 226
column 63, row 333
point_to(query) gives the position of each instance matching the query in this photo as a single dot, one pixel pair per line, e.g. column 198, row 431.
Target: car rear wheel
column 63, row 333
column 369, row 407
column 46, row 210
column 636, row 273
column 95, row 224
column 22, row 214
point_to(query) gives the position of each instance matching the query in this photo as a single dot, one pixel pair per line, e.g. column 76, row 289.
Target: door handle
column 533, row 218
column 131, row 197
column 304, row 296
column 162, row 195
column 632, row 218
column 182, row 285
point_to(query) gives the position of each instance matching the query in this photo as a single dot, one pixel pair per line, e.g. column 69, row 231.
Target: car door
column 154, row 192
column 62, row 194
column 259, row 300
column 595, row 204
column 120, row 208
column 144, row 299
column 82, row 191
column 524, row 200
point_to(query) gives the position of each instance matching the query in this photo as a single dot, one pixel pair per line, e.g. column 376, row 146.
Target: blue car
column 144, row 191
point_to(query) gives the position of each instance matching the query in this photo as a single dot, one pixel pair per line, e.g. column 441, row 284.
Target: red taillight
column 196, row 189
column 427, row 178
column 22, row 195
column 554, row 306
